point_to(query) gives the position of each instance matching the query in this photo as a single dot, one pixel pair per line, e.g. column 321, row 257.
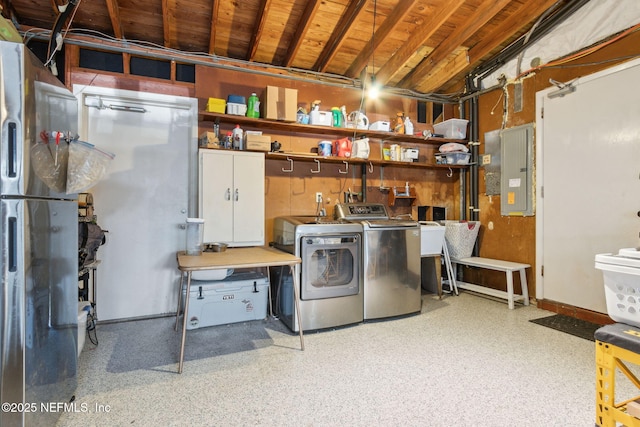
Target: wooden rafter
column 476, row 21
column 214, row 24
column 438, row 76
column 390, row 23
column 338, row 35
column 257, row 30
column 501, row 33
column 303, row 26
column 114, row 16
column 418, row 38
column 168, row 24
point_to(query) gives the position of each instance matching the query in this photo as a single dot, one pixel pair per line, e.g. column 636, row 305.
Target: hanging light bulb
column 374, row 89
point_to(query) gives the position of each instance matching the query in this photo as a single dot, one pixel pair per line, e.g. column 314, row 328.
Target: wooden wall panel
column 294, row 193
column 513, row 238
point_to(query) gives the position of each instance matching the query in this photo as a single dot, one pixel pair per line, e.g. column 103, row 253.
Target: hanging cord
column 91, row 327
column 55, row 42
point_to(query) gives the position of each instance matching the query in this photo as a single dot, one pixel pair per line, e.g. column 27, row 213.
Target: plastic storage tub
column 431, row 238
column 461, row 237
column 452, row 128
column 216, row 105
column 236, row 109
column 621, row 275
column 83, row 312
column 453, row 158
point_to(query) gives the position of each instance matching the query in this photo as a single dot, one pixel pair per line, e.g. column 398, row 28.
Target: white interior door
column 144, row 199
column 588, row 183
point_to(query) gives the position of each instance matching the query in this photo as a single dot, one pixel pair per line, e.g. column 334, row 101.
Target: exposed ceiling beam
column 475, row 21
column 168, row 23
column 393, row 20
column 257, row 30
column 214, row 24
column 527, row 13
column 338, row 35
column 417, row 39
column 303, row 26
column 439, row 75
column 114, row 15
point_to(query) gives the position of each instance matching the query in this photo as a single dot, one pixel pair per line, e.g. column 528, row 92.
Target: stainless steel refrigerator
column 39, row 242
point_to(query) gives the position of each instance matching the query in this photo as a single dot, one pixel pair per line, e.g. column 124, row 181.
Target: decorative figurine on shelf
column 399, row 126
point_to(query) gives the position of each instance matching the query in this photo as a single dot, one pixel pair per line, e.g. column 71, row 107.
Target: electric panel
column 516, row 177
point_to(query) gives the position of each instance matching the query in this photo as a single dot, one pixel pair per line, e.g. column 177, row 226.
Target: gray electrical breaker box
column 516, row 176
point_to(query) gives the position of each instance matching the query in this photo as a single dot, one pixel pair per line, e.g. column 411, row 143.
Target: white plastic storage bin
column 239, row 298
column 431, row 238
column 453, row 158
column 236, row 109
column 461, row 237
column 621, row 275
column 452, row 128
column 83, row 312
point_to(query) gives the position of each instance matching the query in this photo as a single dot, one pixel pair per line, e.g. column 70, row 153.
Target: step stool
column 615, row 345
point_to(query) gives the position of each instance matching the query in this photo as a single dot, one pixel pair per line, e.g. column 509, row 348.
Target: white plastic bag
column 87, row 165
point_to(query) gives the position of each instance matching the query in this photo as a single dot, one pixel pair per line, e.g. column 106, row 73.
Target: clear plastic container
column 195, row 234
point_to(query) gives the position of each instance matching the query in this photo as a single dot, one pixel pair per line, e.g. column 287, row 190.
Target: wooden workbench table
column 246, row 257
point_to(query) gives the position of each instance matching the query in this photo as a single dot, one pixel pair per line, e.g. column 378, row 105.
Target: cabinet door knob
column 237, row 194
column 227, row 194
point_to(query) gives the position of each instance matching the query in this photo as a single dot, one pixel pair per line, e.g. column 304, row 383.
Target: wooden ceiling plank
column 390, row 23
column 257, row 30
column 214, row 24
column 114, row 16
column 474, row 22
column 438, row 76
column 523, row 16
column 417, row 39
column 303, row 26
column 168, row 24
column 338, row 35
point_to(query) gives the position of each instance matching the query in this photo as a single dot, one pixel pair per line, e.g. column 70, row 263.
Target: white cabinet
column 231, row 196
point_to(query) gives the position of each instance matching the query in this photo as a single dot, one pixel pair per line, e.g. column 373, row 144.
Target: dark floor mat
column 570, row 325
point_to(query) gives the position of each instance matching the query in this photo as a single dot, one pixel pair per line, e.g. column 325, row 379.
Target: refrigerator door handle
column 12, row 150
column 13, row 244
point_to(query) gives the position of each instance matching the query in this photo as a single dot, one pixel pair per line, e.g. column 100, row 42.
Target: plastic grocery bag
column 49, row 158
column 87, row 165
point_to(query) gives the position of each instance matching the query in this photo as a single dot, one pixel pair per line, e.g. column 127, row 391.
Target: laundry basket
column 461, row 237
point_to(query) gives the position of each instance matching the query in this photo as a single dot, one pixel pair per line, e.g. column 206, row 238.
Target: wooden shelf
column 320, row 130
column 368, row 162
column 393, row 196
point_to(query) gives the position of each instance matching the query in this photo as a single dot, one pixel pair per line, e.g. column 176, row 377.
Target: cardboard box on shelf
column 279, row 103
column 209, row 140
column 258, row 142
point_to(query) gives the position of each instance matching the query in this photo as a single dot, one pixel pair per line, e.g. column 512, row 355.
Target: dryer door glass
column 330, row 266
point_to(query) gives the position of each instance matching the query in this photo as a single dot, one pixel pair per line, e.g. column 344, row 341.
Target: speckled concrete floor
column 464, row 361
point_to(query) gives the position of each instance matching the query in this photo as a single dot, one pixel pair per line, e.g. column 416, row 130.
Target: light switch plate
column 486, row 159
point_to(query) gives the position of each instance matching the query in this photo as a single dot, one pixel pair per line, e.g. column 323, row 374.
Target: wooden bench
column 495, row 264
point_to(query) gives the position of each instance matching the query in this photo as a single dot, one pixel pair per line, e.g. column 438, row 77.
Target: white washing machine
column 621, row 274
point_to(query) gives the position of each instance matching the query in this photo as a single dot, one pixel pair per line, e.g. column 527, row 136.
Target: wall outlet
column 486, row 159
column 318, row 197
